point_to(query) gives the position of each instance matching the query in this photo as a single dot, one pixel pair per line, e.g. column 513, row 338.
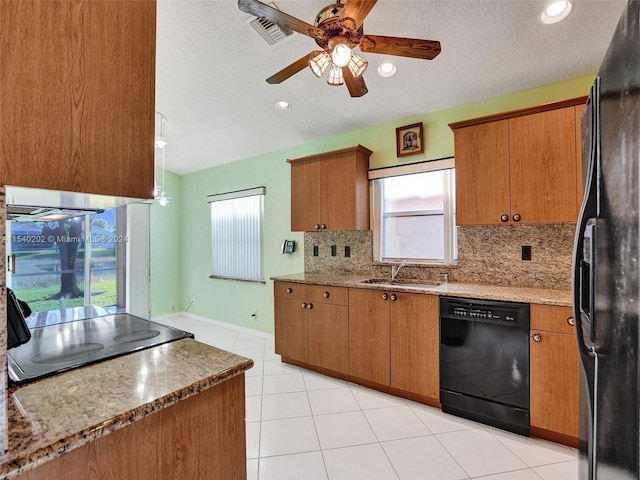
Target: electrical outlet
column 347, row 251
column 334, row 250
column 315, row 250
column 254, row 314
column 173, row 308
column 526, row 252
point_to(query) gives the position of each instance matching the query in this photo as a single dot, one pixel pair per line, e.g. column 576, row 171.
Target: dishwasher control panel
column 471, row 309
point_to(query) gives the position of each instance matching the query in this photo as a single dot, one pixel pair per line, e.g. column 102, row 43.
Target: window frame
column 377, row 192
column 238, row 194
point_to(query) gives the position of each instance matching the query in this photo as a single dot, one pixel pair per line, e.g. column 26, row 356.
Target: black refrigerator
column 606, row 263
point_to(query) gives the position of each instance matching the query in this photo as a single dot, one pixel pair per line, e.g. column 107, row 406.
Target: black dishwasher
column 484, row 362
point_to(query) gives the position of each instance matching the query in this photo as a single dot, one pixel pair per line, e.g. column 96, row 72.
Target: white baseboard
column 217, row 323
column 168, row 316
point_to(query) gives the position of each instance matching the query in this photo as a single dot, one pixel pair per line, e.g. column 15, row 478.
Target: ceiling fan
column 337, row 31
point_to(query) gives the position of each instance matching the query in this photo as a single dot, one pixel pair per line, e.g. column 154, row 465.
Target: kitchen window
column 414, row 213
column 236, row 235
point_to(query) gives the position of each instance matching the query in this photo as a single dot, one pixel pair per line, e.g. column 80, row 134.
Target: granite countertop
column 455, row 289
column 48, row 418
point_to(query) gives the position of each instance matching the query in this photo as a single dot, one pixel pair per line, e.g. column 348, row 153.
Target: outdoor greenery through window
column 64, row 264
column 414, row 213
column 236, row 235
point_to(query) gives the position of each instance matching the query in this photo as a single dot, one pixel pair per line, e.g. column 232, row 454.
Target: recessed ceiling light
column 387, row 69
column 556, row 12
column 282, row 105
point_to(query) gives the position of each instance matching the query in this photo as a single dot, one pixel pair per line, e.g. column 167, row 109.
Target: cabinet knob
column 317, row 227
column 289, row 290
column 304, row 305
column 536, row 337
column 571, row 321
column 393, row 297
column 504, row 217
column 309, row 306
column 385, row 296
column 516, row 217
column 323, row 226
column 325, row 294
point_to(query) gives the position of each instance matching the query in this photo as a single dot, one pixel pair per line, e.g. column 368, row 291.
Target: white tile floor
column 304, row 425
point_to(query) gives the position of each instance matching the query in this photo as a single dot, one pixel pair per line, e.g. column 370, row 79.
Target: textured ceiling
column 212, row 66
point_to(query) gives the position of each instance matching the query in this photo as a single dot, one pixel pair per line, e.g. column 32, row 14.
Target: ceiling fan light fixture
column 319, row 63
column 357, row 65
column 341, row 55
column 335, row 75
column 556, row 11
column 387, row 69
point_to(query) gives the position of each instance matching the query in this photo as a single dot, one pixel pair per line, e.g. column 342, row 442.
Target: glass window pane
column 236, row 238
column 413, row 237
column 107, row 241
column 49, row 266
column 417, row 192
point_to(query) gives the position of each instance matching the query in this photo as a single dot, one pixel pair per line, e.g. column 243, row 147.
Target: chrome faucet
column 395, row 269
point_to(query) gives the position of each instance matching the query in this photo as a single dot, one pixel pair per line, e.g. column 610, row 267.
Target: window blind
column 236, row 234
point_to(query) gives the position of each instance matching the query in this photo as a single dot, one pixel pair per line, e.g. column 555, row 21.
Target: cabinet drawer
column 551, row 318
column 297, row 291
column 325, row 294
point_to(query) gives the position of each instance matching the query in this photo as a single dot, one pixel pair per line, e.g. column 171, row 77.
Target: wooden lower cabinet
column 329, row 337
column 554, row 372
column 369, row 347
column 201, row 437
column 312, row 324
column 415, row 344
column 291, row 329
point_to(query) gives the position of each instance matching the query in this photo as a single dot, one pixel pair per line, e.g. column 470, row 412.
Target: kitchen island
column 172, row 411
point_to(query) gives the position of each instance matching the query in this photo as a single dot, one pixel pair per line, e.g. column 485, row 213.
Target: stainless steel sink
column 402, row 283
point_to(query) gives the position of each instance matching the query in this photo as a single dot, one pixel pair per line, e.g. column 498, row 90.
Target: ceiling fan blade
column 357, row 9
column 291, row 70
column 356, row 86
column 403, row 47
column 261, row 10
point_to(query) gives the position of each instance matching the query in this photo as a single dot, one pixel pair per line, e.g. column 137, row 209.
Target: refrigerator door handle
column 586, row 227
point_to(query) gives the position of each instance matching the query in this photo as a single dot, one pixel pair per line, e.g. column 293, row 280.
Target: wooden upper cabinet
column 518, row 167
column 330, row 191
column 78, row 95
column 305, row 195
column 542, row 151
column 482, row 173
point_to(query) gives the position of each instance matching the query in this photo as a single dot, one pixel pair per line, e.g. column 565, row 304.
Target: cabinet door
column 579, row 172
column 305, row 196
column 415, row 344
column 369, row 335
column 482, row 173
column 78, row 96
column 554, row 373
column 291, row 329
column 341, row 195
column 329, row 336
column 543, row 166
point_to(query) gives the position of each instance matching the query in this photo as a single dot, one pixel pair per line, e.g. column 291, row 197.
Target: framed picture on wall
column 409, row 140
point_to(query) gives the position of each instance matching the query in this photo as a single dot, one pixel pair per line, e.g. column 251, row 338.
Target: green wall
column 234, row 302
column 165, row 248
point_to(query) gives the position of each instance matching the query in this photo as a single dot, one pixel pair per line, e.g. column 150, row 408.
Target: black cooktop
column 57, row 348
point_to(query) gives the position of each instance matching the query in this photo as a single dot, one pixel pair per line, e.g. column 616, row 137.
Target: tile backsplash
column 488, row 255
